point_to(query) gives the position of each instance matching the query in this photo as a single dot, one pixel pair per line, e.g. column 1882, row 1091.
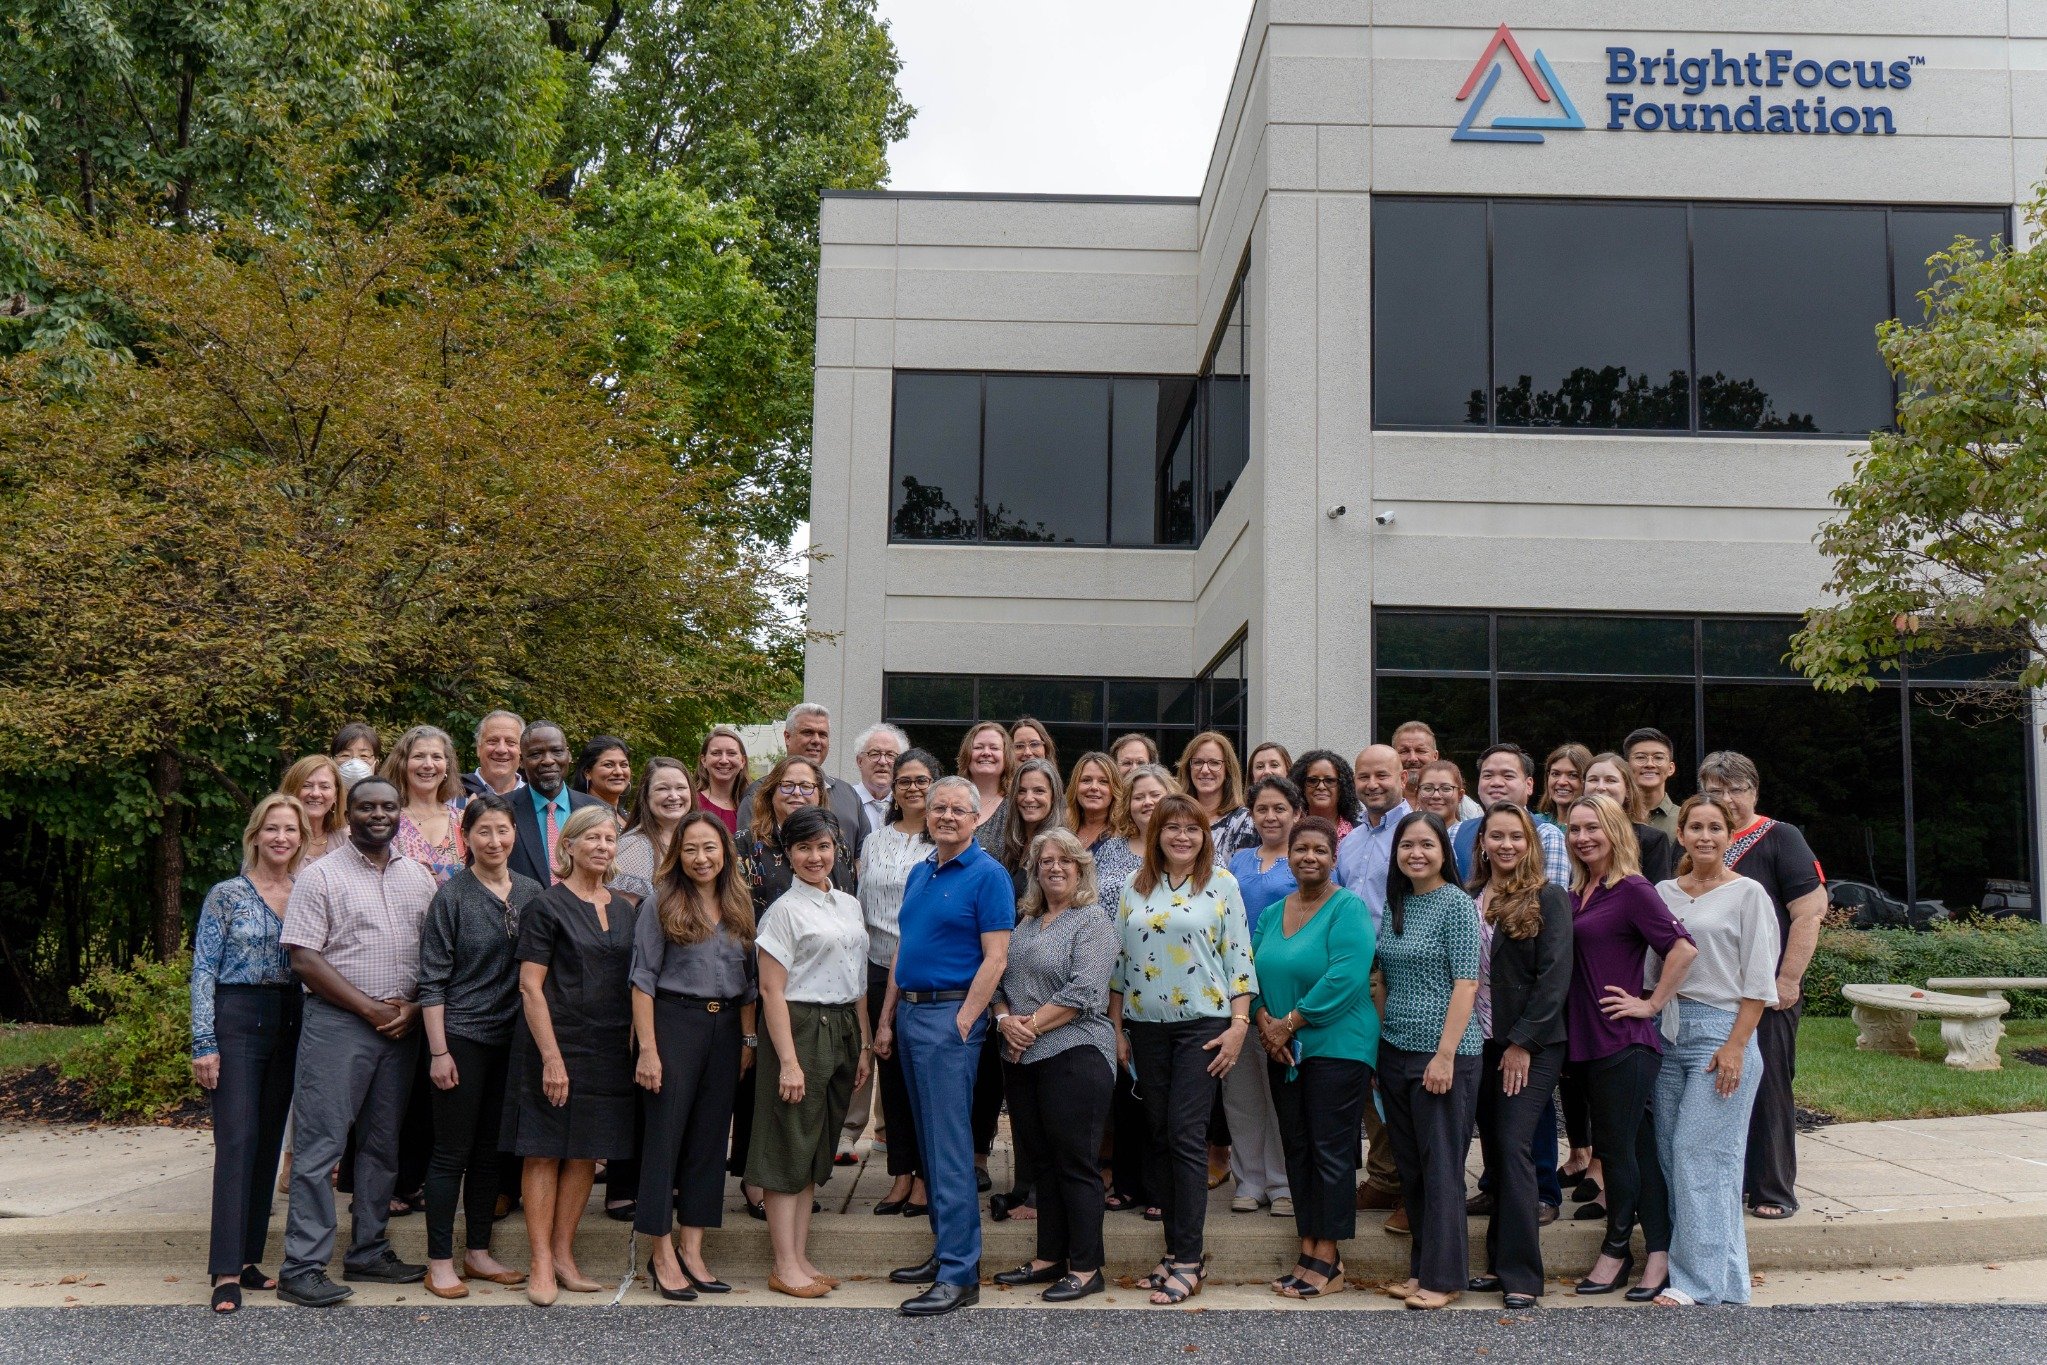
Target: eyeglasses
column 961, row 812
column 1319, row 782
column 798, row 789
column 1206, row 765
column 877, row 754
column 1436, row 789
column 1743, row 790
column 912, row 784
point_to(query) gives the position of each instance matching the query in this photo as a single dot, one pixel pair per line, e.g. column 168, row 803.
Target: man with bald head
column 1362, row 860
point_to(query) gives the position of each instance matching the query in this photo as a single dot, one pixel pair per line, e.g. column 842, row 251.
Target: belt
column 695, row 1002
column 933, row 997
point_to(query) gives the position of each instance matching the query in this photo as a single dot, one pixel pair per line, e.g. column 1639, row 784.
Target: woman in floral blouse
column 1182, row 1005
column 422, row 765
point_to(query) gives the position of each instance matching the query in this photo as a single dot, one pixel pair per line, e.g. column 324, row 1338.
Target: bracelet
column 436, row 1054
column 750, row 1040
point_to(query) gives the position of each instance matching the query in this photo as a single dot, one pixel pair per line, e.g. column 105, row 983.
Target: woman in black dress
column 572, row 1102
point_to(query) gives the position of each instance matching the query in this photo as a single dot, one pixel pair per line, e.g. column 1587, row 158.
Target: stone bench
column 1969, row 1025
column 1988, row 987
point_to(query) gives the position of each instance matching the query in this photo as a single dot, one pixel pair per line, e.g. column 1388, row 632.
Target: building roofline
column 1013, row 198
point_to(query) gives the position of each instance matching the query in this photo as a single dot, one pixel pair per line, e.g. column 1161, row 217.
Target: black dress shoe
column 1520, row 1303
column 703, row 1286
column 312, row 1290
column 888, row 1208
column 1546, row 1214
column 1589, row 1286
column 915, row 1274
column 1483, row 1284
column 915, row 1210
column 390, row 1270
column 1071, row 1287
column 1479, row 1205
column 982, row 1184
column 940, row 1299
column 1024, row 1274
column 684, row 1295
column 1644, row 1293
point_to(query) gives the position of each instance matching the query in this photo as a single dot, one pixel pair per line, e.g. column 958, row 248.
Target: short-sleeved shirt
column 1186, row 951
column 947, row 906
column 1261, row 890
column 1737, row 938
column 1613, row 932
column 363, row 917
column 716, row 967
column 1777, row 855
column 1437, row 947
column 822, row 941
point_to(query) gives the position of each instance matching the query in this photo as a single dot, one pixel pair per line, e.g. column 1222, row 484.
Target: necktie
column 553, row 828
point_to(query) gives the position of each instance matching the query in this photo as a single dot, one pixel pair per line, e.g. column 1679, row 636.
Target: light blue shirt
column 561, row 818
column 1364, row 856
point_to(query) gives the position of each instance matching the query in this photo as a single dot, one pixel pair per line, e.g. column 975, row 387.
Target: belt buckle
column 713, row 1006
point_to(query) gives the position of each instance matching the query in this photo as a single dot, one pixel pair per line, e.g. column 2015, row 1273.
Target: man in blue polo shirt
column 958, row 909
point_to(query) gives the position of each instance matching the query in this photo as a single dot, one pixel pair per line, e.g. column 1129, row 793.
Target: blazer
column 845, row 801
column 1531, row 977
column 526, row 859
column 1659, row 854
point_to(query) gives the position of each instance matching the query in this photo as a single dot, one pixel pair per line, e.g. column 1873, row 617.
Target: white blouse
column 820, row 938
column 885, row 862
column 1735, row 927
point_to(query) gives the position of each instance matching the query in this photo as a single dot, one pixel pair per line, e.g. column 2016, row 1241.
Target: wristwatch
column 751, row 1040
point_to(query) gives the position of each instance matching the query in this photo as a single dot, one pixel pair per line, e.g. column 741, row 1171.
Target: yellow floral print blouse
column 1186, row 951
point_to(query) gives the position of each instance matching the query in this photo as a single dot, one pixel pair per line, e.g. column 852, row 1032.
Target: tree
column 378, row 472
column 1941, row 541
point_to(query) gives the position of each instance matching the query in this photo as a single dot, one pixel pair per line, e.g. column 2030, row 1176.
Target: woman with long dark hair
column 604, row 769
column 664, row 795
column 1328, row 788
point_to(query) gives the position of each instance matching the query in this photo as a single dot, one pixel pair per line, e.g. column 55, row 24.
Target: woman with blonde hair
column 421, row 765
column 316, row 781
column 1091, row 796
column 1059, row 1059
column 1210, row 773
column 694, row 1005
column 1122, row 852
column 987, row 760
column 570, row 1101
column 721, row 775
column 245, row 1025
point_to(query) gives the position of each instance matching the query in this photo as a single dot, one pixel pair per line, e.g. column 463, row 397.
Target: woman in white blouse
column 885, row 862
column 813, row 974
column 1711, row 1064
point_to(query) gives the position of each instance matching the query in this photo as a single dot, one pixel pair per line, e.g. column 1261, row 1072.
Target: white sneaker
column 1244, row 1203
column 1283, row 1206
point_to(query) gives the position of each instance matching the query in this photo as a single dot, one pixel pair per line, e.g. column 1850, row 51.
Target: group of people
column 500, row 982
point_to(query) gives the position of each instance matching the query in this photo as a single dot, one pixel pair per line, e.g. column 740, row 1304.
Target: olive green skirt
column 793, row 1144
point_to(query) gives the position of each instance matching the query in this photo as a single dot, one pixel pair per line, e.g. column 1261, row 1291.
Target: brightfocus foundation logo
column 1542, row 80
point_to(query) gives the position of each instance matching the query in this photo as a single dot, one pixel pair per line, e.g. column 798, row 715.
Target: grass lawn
column 25, row 1045
column 1854, row 1086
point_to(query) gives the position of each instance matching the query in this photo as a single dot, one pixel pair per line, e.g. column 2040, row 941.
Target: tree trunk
column 167, row 852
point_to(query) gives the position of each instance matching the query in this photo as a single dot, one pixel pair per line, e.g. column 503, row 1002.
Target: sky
column 1062, row 96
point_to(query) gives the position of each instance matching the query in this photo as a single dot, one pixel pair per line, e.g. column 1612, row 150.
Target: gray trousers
column 348, row 1077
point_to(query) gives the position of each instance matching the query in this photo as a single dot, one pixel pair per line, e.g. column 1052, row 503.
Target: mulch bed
column 41, row 1095
column 2036, row 1055
column 1809, row 1119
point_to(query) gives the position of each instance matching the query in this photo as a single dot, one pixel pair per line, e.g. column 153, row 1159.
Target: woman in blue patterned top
column 245, row 1035
column 1429, row 1051
column 1182, row 1004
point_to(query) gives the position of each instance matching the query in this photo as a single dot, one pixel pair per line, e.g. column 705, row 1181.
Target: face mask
column 354, row 770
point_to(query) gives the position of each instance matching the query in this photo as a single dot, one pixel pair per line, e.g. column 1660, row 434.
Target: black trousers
column 1576, row 1104
column 1431, row 1135
column 742, row 1119
column 257, row 1028
column 1320, row 1112
column 1771, row 1174
column 1178, row 1092
column 1130, row 1142
column 1506, row 1126
column 1624, row 1140
column 987, row 1094
column 681, row 1170
column 891, row 1089
column 416, row 1138
column 1057, row 1108
column 465, row 1155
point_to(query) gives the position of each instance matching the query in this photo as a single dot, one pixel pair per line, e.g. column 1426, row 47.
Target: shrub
column 140, row 1064
column 2009, row 947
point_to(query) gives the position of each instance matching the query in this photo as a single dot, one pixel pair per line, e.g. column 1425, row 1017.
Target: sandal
column 227, row 1298
column 1332, row 1281
column 252, row 1277
column 1783, row 1211
column 1117, row 1203
column 1157, row 1278
column 1179, row 1284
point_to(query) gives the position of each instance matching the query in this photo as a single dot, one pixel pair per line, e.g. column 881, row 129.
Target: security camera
column 1337, row 511
column 1383, row 518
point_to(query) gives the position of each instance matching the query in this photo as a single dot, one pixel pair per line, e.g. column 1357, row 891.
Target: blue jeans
column 1702, row 1141
column 939, row 1069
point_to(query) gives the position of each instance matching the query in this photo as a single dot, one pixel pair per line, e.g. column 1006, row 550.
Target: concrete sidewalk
column 1880, row 1195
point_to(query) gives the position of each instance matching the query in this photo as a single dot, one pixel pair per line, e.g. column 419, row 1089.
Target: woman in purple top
column 1615, row 1046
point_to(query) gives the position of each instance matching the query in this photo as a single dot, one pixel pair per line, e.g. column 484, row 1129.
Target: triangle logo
column 1542, row 82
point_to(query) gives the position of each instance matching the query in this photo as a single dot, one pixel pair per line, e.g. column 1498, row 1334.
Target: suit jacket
column 1531, row 976
column 1659, row 853
column 526, row 857
column 845, row 801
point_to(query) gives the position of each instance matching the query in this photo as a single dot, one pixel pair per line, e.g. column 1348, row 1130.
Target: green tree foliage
column 1941, row 541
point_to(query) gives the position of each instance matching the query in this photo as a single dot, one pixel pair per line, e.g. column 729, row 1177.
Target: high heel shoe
column 1589, row 1286
column 888, row 1208
column 1646, row 1293
column 685, row 1295
column 710, row 1286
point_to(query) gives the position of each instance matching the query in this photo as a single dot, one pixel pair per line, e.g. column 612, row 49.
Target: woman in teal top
column 1181, row 1003
column 1429, row 1050
column 1321, row 1033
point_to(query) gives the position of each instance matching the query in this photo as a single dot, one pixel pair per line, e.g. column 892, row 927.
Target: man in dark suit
column 807, row 733
column 544, row 805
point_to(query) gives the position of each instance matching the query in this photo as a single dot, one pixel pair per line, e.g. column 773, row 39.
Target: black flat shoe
column 1023, row 1274
column 889, row 1208
column 713, row 1286
column 756, row 1208
column 940, row 1299
column 227, row 1298
column 1644, row 1293
column 1585, row 1191
column 982, row 1184
column 1590, row 1213
column 672, row 1295
column 1589, row 1286
column 1483, row 1284
column 1071, row 1287
column 1520, row 1303
column 926, row 1273
column 915, row 1210
column 622, row 1212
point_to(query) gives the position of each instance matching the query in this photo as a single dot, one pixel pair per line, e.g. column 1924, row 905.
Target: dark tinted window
column 1969, row 796
column 1427, row 642
column 1178, row 433
column 1081, row 713
column 1229, row 437
column 936, row 476
column 1747, row 649
column 1917, row 233
column 1590, row 325
column 1052, row 700
column 922, row 695
column 1459, row 710
column 1541, row 713
column 1133, row 455
column 1788, row 305
column 1046, row 459
column 1595, row 644
column 1429, row 312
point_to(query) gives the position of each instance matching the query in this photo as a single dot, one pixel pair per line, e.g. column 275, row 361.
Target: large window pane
column 1052, row 700
column 1431, row 642
column 1590, row 324
column 935, row 481
column 1177, row 434
column 1831, row 764
column 1539, row 714
column 1968, row 796
column 930, row 696
column 1748, row 649
column 1138, row 705
column 1788, row 303
column 1133, row 460
column 1596, row 644
column 1045, row 476
column 1229, row 437
column 1918, row 233
column 1429, row 312
column 1459, row 710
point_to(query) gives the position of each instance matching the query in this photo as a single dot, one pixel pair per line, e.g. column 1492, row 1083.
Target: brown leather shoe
column 1370, row 1196
column 1396, row 1223
column 460, row 1291
column 1546, row 1214
column 816, row 1289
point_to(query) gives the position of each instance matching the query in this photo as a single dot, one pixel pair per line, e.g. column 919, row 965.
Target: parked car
column 2009, row 900
column 1870, row 907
